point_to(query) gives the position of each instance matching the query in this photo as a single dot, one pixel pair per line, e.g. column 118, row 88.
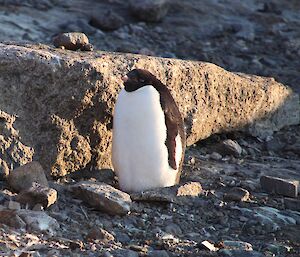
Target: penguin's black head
column 138, row 78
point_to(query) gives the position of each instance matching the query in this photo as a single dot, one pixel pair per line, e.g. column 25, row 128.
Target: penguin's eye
column 142, row 80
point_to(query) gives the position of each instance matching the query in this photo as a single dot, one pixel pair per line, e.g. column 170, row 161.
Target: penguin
column 149, row 139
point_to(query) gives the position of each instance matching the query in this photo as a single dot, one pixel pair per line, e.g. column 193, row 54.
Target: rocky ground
column 240, row 209
column 232, row 209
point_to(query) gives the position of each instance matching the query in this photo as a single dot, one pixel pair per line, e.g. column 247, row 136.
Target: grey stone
column 237, row 245
column 169, row 194
column 124, row 253
column 108, row 21
column 3, row 197
column 275, row 144
column 215, row 156
column 78, row 24
column 35, row 4
column 277, row 250
column 247, row 32
column 292, row 204
column 237, row 194
column 158, row 253
column 59, row 131
column 37, row 194
column 106, row 254
column 271, row 7
column 173, row 229
column 39, row 221
column 12, row 205
column 22, row 177
column 122, row 238
column 280, row 186
column 271, row 219
column 239, row 253
column 149, row 10
column 103, row 197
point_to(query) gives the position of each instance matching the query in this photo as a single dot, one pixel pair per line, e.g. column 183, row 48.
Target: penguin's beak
column 125, row 78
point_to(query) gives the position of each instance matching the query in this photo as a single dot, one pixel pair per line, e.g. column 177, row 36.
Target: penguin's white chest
column 139, row 153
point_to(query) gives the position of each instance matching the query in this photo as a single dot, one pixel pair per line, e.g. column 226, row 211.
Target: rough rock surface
column 189, row 189
column 37, row 194
column 12, row 151
column 71, row 41
column 39, row 221
column 237, row 194
column 22, row 177
column 103, row 197
column 64, row 101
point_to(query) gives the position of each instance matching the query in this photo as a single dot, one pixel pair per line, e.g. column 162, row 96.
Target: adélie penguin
column 148, row 134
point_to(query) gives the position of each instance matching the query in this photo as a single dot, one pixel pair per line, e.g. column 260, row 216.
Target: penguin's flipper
column 174, row 126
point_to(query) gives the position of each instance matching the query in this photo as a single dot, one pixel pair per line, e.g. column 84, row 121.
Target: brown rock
column 22, row 178
column 75, row 94
column 24, row 254
column 280, row 186
column 37, row 194
column 76, row 245
column 190, row 189
column 71, row 41
column 230, row 147
column 237, row 194
column 87, row 47
column 103, row 197
column 11, row 218
column 99, row 234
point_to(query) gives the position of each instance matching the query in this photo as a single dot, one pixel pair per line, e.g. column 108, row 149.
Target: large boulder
column 58, row 104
